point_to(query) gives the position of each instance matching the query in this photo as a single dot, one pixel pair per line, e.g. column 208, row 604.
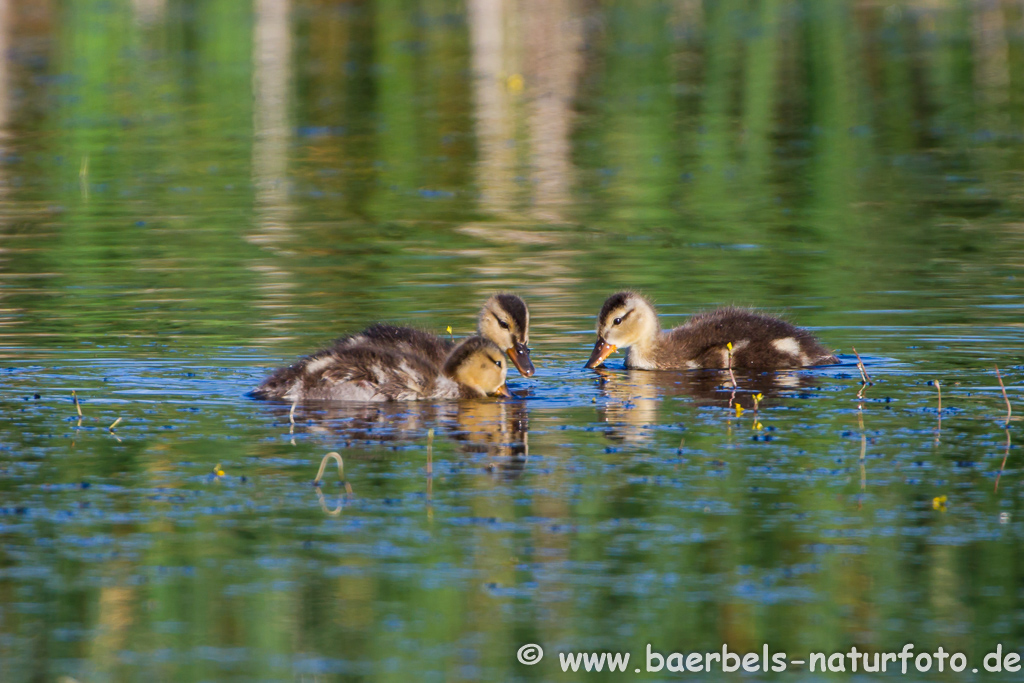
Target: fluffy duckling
column 504, row 320
column 367, row 372
column 759, row 342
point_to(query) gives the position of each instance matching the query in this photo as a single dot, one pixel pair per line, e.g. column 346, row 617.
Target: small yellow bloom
column 217, row 471
column 515, row 83
column 449, row 329
column 758, row 426
column 739, row 410
column 939, row 503
column 729, row 346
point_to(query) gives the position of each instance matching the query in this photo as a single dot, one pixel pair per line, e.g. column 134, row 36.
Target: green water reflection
column 192, row 193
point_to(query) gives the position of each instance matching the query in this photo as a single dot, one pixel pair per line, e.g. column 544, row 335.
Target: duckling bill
column 367, row 372
column 758, row 342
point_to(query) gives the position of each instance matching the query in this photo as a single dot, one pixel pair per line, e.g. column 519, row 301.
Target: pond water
column 195, row 193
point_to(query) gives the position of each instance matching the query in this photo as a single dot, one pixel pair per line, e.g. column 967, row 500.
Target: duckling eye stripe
column 622, row 318
column 500, row 321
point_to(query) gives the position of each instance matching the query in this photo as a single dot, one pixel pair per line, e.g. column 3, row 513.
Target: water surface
column 192, row 194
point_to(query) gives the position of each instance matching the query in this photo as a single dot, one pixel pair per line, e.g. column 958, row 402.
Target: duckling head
column 478, row 365
column 626, row 319
column 505, row 320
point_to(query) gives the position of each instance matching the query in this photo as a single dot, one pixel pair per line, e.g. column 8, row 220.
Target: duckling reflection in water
column 636, row 398
column 348, row 423
column 368, row 372
column 758, row 342
column 499, row 430
column 504, row 320
column 496, row 429
column 632, row 409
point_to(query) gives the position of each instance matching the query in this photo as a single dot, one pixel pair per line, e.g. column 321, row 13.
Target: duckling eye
column 616, row 321
column 504, row 325
column 498, row 363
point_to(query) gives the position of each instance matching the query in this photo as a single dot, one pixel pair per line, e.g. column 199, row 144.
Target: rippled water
column 192, row 194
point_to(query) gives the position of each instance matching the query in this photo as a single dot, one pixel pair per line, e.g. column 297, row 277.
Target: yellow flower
column 739, row 410
column 939, row 503
column 758, row 426
column 729, row 346
column 449, row 329
column 515, row 83
column 217, row 471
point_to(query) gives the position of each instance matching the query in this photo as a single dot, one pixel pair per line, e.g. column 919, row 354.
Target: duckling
column 759, row 342
column 367, row 372
column 504, row 319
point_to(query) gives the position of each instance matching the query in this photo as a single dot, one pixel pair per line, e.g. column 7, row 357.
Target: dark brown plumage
column 368, row 373
column 504, row 319
column 400, row 339
column 516, row 308
column 365, row 372
column 613, row 302
column 758, row 341
column 755, row 338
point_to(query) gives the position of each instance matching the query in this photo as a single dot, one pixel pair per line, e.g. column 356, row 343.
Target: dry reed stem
column 860, row 366
column 728, row 352
column 863, row 456
column 1006, row 455
column 83, row 177
column 323, row 466
column 1006, row 426
column 430, row 452
column 938, row 388
column 323, row 504
column 863, row 452
column 115, row 423
column 1009, row 410
column 78, row 407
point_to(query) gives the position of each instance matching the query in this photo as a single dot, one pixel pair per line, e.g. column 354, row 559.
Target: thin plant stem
column 1006, row 455
column 860, row 366
column 1002, row 387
